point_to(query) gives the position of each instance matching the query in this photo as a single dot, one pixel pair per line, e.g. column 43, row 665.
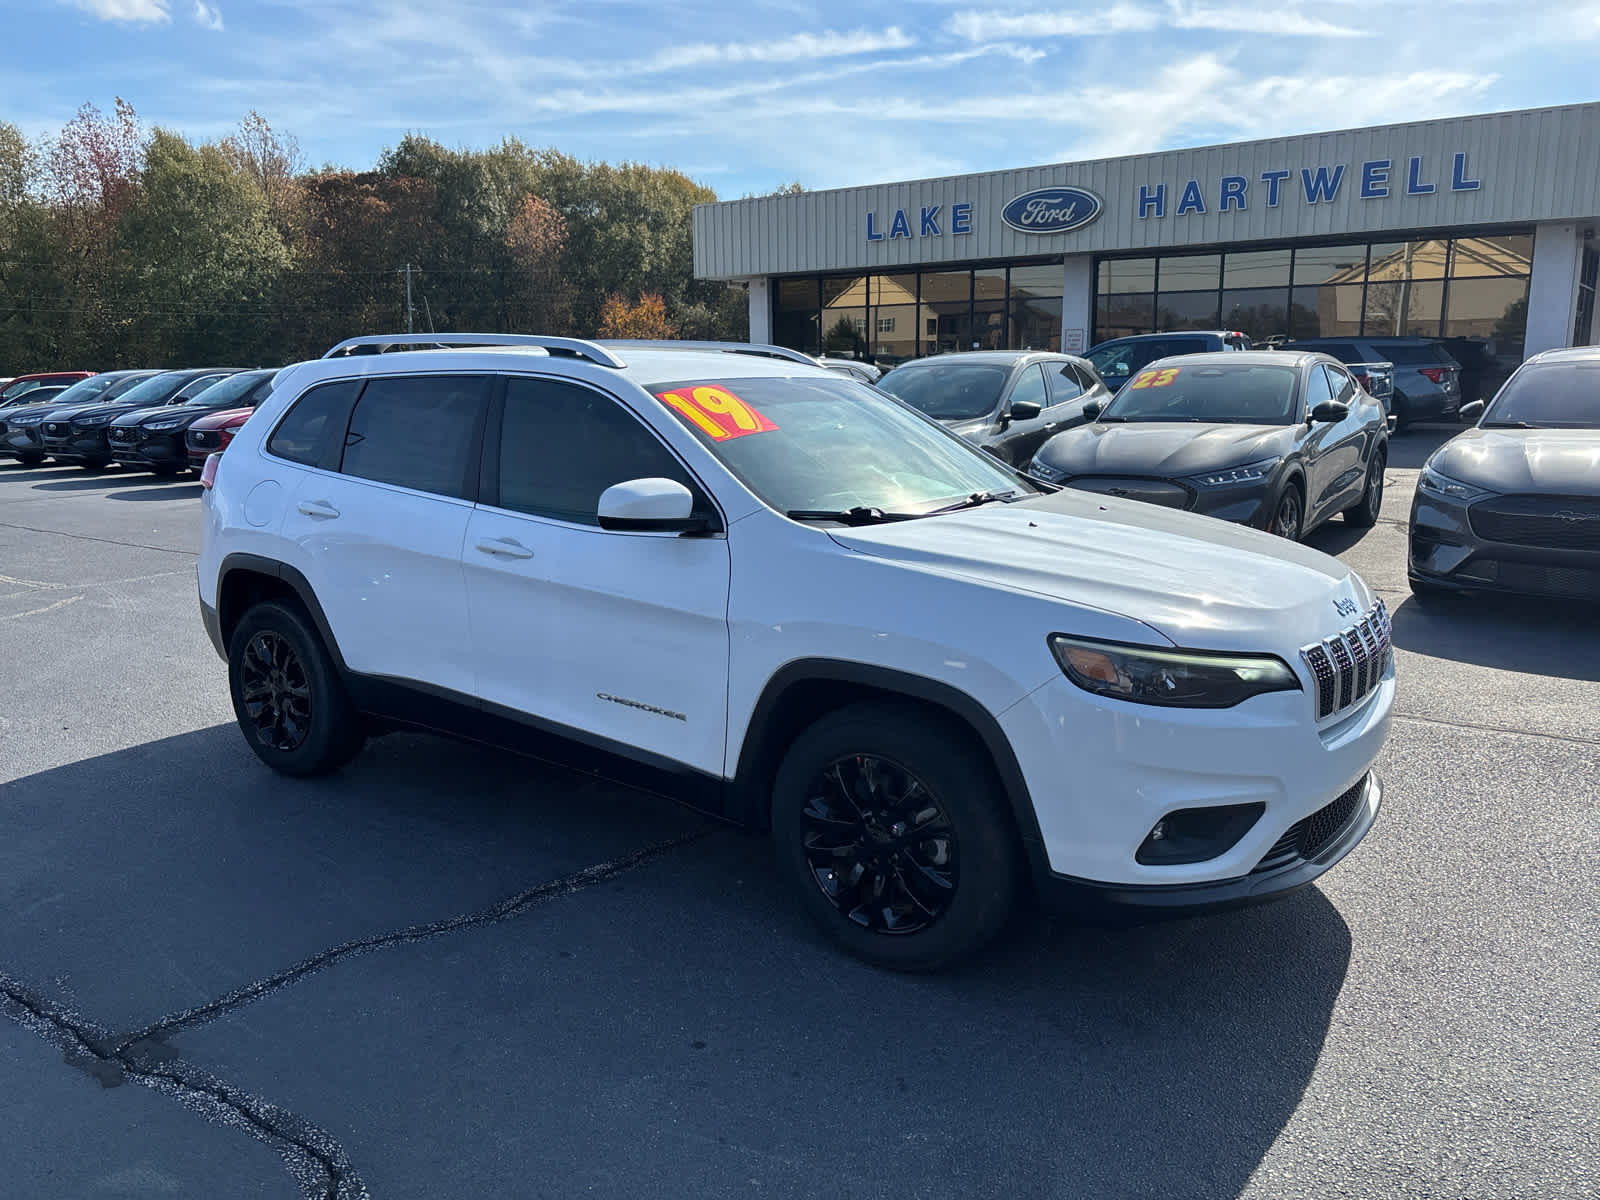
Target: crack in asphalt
column 316, row 1161
column 84, row 537
column 503, row 910
column 1577, row 738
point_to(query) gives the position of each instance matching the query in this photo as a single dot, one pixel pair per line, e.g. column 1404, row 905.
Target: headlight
column 1450, row 489
column 89, row 422
column 1249, row 473
column 1045, row 472
column 1175, row 678
column 162, row 426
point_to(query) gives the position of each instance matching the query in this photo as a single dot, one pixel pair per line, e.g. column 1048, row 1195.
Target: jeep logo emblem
column 1345, row 608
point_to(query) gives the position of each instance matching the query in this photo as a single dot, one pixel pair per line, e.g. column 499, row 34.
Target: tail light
column 208, row 473
column 1435, row 374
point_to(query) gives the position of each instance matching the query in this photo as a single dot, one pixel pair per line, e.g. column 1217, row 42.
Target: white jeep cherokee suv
column 788, row 599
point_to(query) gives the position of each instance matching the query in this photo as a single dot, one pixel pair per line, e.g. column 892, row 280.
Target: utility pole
column 409, row 310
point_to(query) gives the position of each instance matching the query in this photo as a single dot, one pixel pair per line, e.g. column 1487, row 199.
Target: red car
column 16, row 392
column 212, row 433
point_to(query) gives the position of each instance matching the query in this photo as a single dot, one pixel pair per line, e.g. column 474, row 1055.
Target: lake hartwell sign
column 1066, row 209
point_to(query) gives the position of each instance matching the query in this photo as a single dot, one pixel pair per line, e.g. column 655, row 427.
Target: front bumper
column 26, row 440
column 1276, row 876
column 1446, row 552
column 1101, row 773
column 77, row 446
column 153, row 450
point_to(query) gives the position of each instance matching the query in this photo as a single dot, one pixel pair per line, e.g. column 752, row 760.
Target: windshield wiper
column 860, row 515
column 1508, row 425
column 1103, row 417
column 972, row 501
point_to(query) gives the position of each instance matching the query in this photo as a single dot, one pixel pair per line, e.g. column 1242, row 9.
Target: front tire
column 1288, row 517
column 287, row 696
column 1364, row 514
column 29, row 459
column 890, row 826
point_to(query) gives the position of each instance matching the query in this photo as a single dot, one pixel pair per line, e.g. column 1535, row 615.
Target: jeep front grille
column 1348, row 665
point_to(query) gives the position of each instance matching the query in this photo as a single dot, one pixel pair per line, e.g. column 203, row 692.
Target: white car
column 794, row 602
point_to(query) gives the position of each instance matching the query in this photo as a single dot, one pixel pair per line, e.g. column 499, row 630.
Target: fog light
column 1193, row 835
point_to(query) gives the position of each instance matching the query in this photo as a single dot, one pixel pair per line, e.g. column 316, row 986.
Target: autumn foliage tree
column 121, row 246
column 646, row 318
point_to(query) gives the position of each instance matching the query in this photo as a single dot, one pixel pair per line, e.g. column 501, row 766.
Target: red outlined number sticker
column 1162, row 378
column 1150, row 379
column 715, row 412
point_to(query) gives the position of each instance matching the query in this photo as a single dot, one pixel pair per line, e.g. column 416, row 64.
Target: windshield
column 1243, row 395
column 228, row 392
column 84, row 389
column 832, row 444
column 1548, row 396
column 157, row 389
column 949, row 391
column 21, row 387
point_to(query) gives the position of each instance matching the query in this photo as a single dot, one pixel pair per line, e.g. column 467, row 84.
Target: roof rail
column 558, row 346
column 761, row 349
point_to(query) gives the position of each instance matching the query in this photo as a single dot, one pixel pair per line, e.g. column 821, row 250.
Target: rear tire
column 892, row 830
column 1364, row 513
column 287, row 695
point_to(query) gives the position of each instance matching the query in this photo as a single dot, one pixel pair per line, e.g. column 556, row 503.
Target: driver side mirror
column 1026, row 410
column 1330, row 411
column 1092, row 410
column 649, row 506
column 1472, row 411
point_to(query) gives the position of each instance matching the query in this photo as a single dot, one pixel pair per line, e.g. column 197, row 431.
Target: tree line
column 121, row 246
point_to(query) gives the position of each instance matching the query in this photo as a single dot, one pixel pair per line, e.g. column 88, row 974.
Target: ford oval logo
column 1052, row 210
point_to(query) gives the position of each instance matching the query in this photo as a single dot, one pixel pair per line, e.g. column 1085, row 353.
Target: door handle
column 317, row 508
column 503, row 548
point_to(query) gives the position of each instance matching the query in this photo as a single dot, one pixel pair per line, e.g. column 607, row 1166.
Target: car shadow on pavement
column 1559, row 638
column 1336, row 536
column 88, row 481
column 172, row 489
column 681, row 1022
column 11, row 469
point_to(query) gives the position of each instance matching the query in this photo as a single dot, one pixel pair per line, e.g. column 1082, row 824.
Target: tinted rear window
column 310, row 429
column 1413, row 355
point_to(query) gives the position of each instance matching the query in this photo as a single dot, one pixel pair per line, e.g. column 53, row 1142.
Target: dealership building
column 1482, row 227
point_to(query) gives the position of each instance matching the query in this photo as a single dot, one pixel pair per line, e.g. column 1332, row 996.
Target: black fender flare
column 760, row 746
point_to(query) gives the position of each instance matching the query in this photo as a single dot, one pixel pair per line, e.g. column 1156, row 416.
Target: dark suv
column 1008, row 402
column 1120, row 358
column 1427, row 381
column 21, row 424
column 79, row 435
column 154, row 438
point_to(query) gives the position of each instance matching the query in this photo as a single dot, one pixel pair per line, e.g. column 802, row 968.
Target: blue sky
column 747, row 96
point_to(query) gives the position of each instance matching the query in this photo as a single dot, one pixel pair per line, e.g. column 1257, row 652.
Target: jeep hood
column 1198, row 581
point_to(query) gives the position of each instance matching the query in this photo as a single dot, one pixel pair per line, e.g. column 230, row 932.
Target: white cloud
column 1138, row 18
column 138, row 12
column 208, row 15
column 799, row 47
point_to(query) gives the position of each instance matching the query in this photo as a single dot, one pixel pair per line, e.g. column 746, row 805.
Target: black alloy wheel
column 289, row 700
column 1364, row 513
column 276, row 692
column 879, row 845
column 1287, row 516
column 895, row 834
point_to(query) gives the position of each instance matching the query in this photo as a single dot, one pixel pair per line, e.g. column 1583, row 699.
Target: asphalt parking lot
column 453, row 972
